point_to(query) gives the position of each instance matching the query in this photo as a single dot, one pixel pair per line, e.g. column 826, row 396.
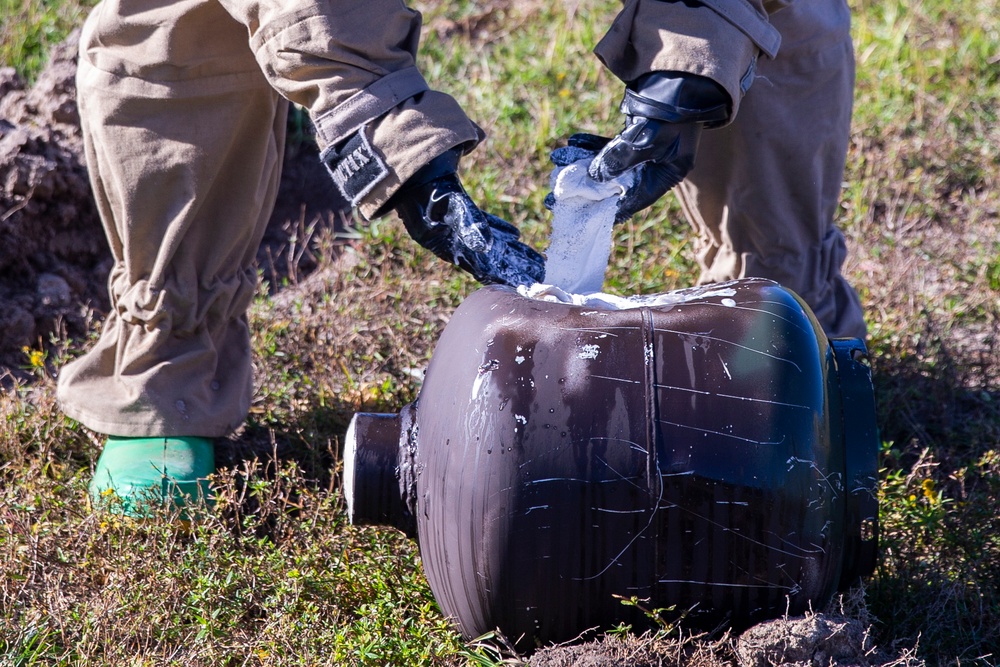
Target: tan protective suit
column 184, row 131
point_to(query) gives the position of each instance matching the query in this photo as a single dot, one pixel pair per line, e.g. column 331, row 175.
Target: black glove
column 664, row 116
column 440, row 216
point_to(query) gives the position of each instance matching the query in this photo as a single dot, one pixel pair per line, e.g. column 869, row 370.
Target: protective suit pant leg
column 184, row 139
column 765, row 189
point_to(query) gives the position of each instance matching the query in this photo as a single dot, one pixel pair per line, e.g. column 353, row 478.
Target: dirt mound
column 54, row 259
column 813, row 640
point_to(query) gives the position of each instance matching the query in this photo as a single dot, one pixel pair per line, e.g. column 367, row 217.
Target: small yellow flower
column 564, row 93
column 112, row 524
column 929, row 491
column 36, row 358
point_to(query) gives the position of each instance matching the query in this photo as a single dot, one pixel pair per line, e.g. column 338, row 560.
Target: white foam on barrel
column 601, row 300
column 581, row 241
column 583, row 219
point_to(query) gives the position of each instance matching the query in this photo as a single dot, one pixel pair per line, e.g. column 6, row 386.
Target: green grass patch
column 29, row 28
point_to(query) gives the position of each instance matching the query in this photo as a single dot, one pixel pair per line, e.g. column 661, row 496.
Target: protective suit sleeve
column 352, row 65
column 719, row 39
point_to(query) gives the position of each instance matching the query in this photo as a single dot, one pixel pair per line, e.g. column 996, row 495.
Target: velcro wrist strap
column 368, row 104
column 356, row 168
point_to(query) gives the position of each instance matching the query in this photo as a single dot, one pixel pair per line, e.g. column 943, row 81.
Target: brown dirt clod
column 815, row 640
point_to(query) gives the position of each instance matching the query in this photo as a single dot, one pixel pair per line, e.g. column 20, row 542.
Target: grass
column 29, row 28
column 275, row 577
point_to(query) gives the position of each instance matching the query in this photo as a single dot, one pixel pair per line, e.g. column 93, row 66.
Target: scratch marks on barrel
column 685, row 335
column 635, row 538
column 710, row 431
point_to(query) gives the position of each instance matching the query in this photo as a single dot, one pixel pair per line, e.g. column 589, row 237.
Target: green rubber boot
column 136, row 475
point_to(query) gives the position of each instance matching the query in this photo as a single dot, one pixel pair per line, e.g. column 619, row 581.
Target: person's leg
column 765, row 189
column 184, row 140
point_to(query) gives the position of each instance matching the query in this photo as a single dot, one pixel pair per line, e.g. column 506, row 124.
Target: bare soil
column 814, row 640
column 54, row 259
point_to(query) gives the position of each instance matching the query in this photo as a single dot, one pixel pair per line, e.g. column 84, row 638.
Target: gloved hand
column 440, row 216
column 665, row 113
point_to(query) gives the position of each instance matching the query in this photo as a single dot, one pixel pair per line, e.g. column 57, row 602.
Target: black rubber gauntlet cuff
column 677, row 97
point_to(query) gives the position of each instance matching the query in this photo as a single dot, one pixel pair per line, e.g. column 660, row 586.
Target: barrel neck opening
column 374, row 487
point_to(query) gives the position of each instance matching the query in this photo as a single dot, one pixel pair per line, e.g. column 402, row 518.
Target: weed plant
column 275, row 576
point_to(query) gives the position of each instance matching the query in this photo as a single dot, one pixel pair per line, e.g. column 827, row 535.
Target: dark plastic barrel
column 716, row 455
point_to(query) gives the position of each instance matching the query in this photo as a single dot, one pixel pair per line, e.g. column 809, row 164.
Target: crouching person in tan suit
column 183, row 112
